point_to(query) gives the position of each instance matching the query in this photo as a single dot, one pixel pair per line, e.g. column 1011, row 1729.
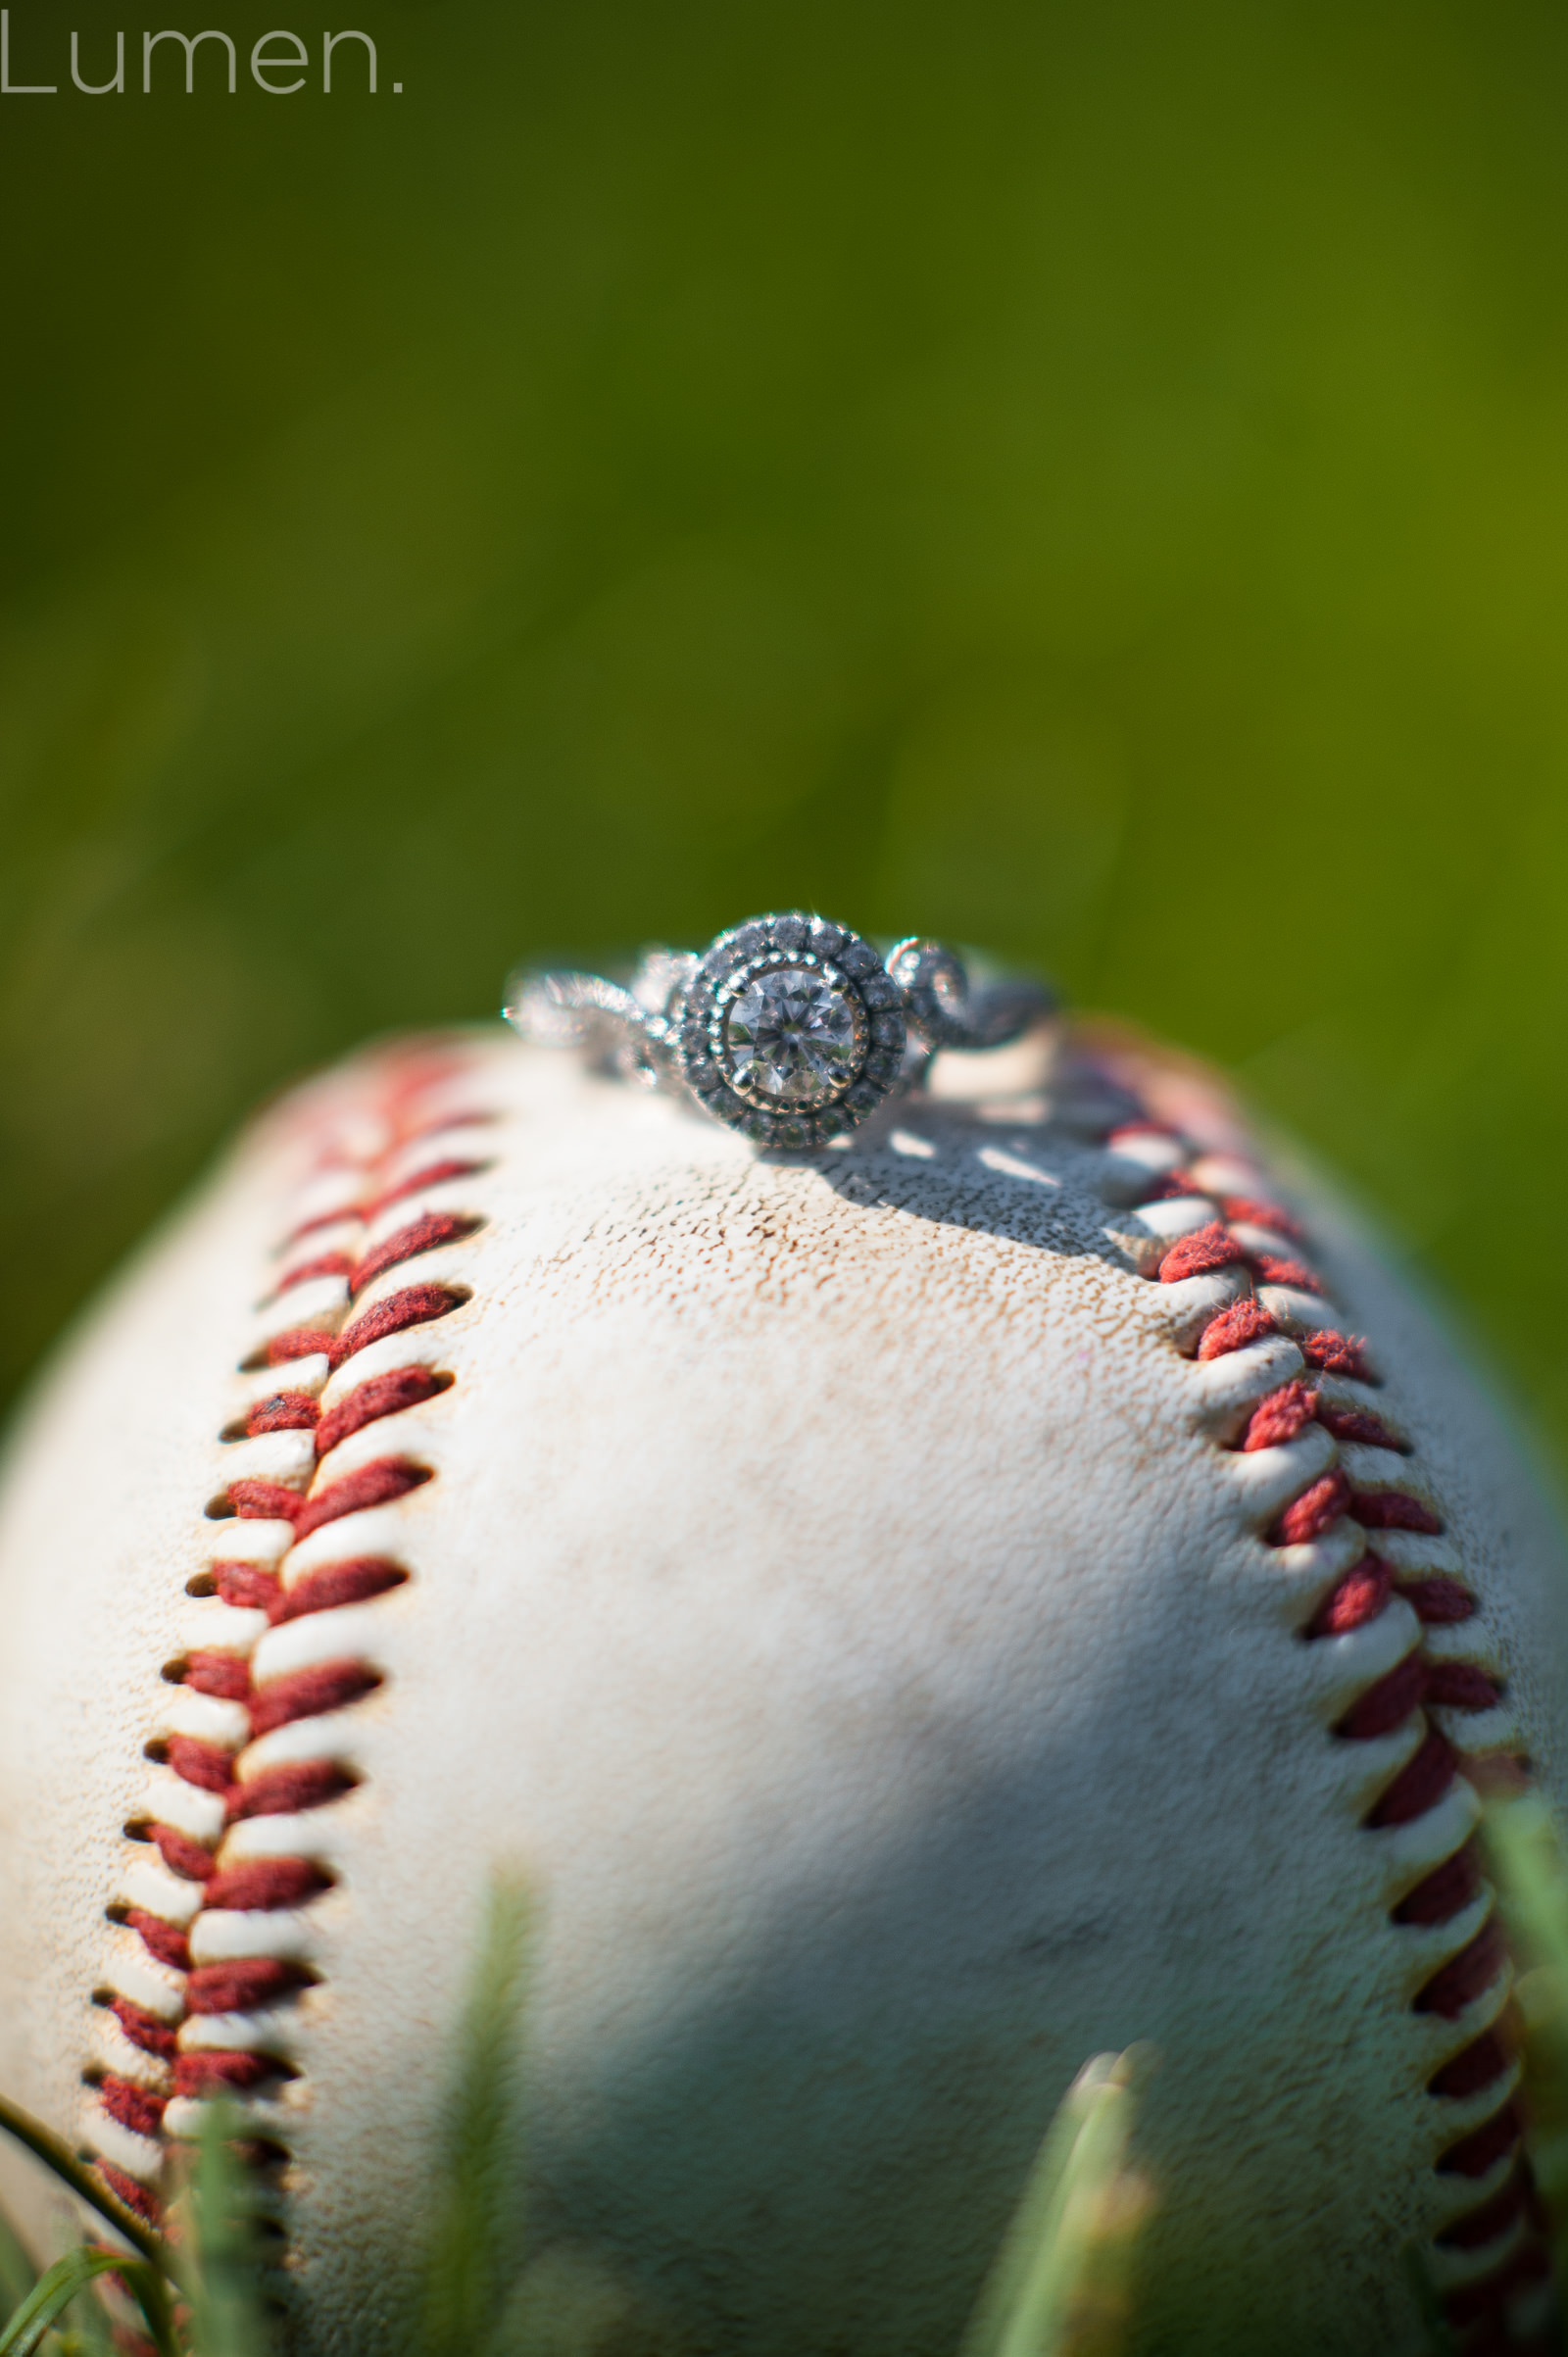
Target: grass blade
column 474, row 2256
column 1060, row 2286
column 1527, row 1860
column 58, row 2156
column 18, row 2275
column 54, row 2293
column 222, row 2277
column 147, row 2275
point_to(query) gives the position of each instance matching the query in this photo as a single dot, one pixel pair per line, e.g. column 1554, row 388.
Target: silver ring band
column 788, row 1028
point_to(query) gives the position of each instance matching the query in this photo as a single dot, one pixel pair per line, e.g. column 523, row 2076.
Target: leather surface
column 834, row 1592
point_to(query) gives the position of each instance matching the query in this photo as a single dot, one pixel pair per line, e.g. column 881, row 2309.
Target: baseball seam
column 217, row 1946
column 1362, row 1506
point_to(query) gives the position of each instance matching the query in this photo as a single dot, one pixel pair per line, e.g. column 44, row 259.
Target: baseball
column 1020, row 1581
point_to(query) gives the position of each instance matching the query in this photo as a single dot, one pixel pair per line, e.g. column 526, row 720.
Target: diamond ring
column 788, row 1028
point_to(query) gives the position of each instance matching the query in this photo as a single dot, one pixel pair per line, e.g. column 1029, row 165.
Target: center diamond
column 793, row 1038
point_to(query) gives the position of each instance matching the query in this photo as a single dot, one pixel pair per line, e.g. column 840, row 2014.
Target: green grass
column 1528, row 1861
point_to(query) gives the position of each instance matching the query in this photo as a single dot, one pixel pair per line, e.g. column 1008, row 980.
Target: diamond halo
column 790, row 1030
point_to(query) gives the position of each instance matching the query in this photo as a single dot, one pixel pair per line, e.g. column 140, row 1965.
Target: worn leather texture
column 837, row 1595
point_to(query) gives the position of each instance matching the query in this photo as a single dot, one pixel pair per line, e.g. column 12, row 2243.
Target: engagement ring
column 788, row 1028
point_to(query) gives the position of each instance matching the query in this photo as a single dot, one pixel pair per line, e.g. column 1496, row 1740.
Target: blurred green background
column 1088, row 479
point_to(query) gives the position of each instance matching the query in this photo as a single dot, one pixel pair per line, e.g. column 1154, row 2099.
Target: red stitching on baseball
column 1336, row 1353
column 1416, row 1683
column 352, row 1582
column 1458, row 1983
column 1438, row 1601
column 1280, row 1416
column 284, row 1411
column 205, row 1765
column 267, row 1883
column 257, row 1502
column 382, row 1396
column 1357, row 1424
column 422, row 1235
column 221, row 2071
column 1391, row 1510
column 162, row 1940
column 1244, row 1322
column 1476, row 2066
column 374, row 1484
column 1316, row 1510
column 1356, row 1598
column 318, row 1220
column 272, row 1886
column 243, row 1984
column 325, row 1686
column 1461, row 1686
column 1483, row 2225
column 1144, row 1126
column 227, row 1675
column 414, row 1306
column 143, row 2029
column 434, row 1174
column 247, row 1587
column 135, row 2196
column 1419, row 1786
column 1198, row 1254
column 1385, row 1704
column 296, row 1342
column 1475, row 2154
column 180, row 1854
column 1252, row 1213
column 308, row 1784
column 324, row 1264
column 1445, row 1892
column 134, row 2107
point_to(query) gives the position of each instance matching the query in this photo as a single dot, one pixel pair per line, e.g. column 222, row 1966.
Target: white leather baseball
column 843, row 1586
